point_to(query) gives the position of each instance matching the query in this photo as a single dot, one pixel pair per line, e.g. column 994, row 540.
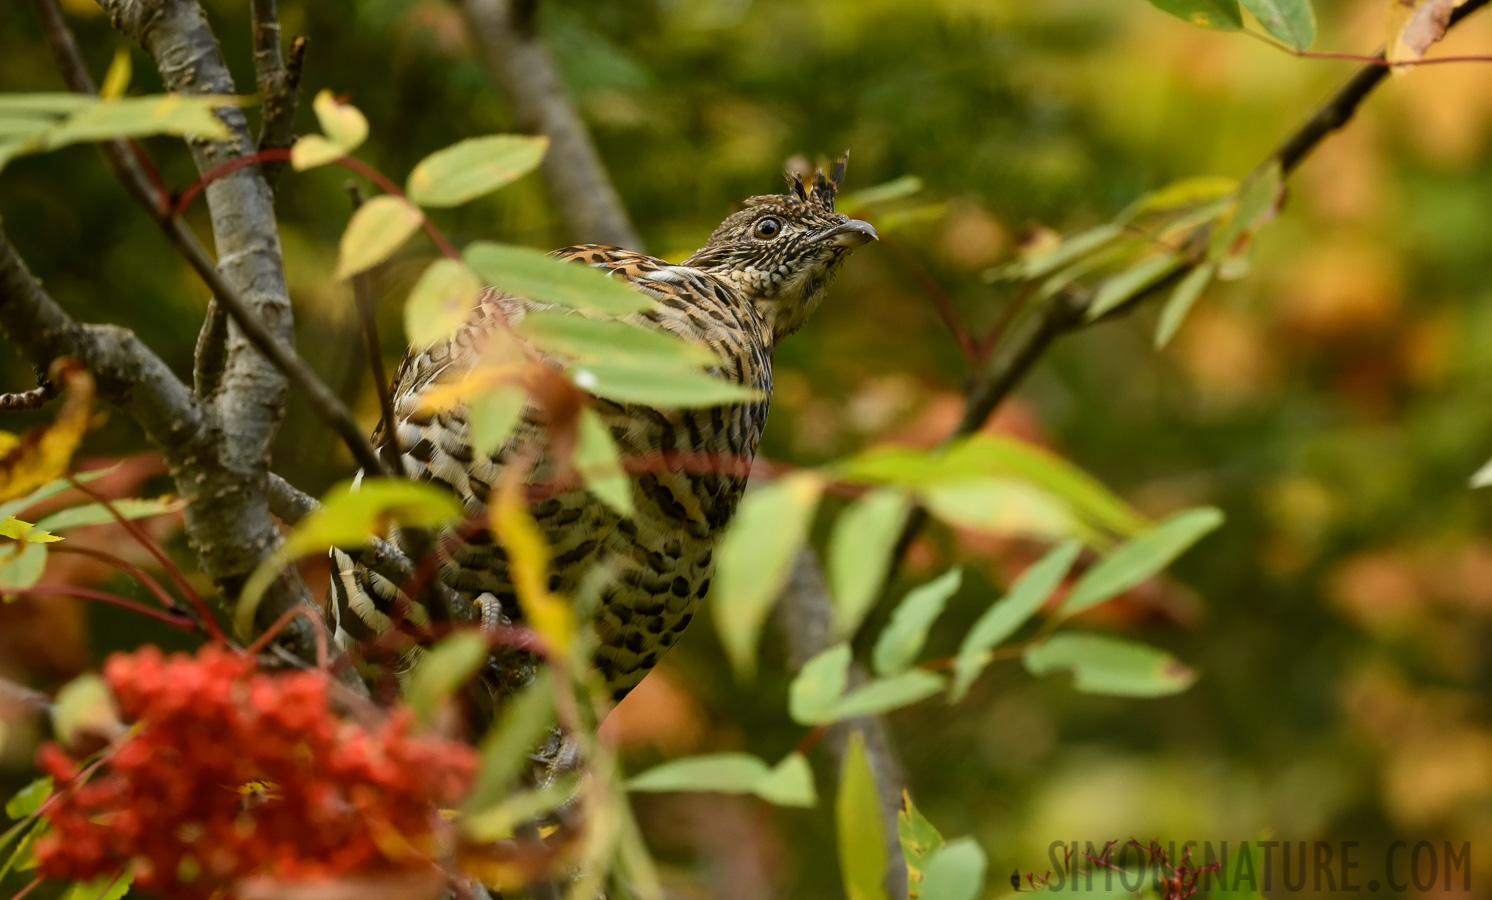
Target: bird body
column 757, row 280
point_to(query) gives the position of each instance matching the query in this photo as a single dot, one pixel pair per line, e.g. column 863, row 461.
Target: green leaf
column 342, row 123
column 1292, row 21
column 882, row 695
column 860, row 550
column 51, row 489
column 1001, row 620
column 107, row 887
column 538, row 276
column 1199, row 190
column 84, row 706
column 1000, row 506
column 1108, row 665
column 902, row 639
column 755, row 559
column 29, row 798
column 1256, row 200
column 599, row 463
column 919, row 841
column 585, row 339
column 351, row 513
column 442, row 670
column 377, row 229
column 790, row 783
column 505, row 749
column 492, row 415
column 468, row 169
column 441, row 301
column 1070, row 250
column 42, row 106
column 1180, row 302
column 955, row 872
column 1222, row 15
column 857, row 815
column 659, row 388
column 896, row 189
column 21, row 566
column 1121, row 287
column 127, row 117
column 815, row 692
column 98, row 514
column 498, row 822
column 1140, row 558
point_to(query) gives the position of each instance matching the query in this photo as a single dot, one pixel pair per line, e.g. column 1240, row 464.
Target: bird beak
column 851, row 234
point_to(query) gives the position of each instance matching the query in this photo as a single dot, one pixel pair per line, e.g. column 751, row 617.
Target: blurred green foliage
column 1334, row 403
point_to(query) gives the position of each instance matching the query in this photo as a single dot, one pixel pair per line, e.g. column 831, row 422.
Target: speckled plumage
column 760, row 276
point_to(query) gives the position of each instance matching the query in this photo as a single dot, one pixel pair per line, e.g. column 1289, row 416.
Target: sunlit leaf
column 468, row 169
column 98, row 514
column 506, row 746
column 342, row 123
column 528, row 565
column 815, row 691
column 441, row 301
column 43, row 453
column 754, row 561
column 492, row 415
column 1000, row 506
column 117, row 79
column 1222, row 15
column 1117, row 289
column 312, row 150
column 29, row 798
column 1070, row 250
column 902, row 639
column 547, row 279
column 599, row 463
column 882, row 695
column 790, row 783
column 84, row 707
column 1483, row 476
column 1141, row 558
column 1108, row 665
column 860, row 550
column 1181, row 301
column 857, row 818
column 1198, row 190
column 955, row 872
column 42, row 106
column 127, row 117
column 26, row 532
column 919, row 841
column 351, row 513
column 1292, row 21
column 584, row 339
column 21, row 566
column 377, row 229
column 442, row 670
column 107, row 887
column 659, row 388
column 1000, row 621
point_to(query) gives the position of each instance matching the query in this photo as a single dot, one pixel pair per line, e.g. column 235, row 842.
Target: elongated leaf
column 547, row 279
column 790, row 783
column 468, row 169
column 1108, row 665
column 882, row 695
column 860, row 550
column 654, row 387
column 815, row 692
column 1000, row 506
column 442, row 670
column 127, row 117
column 902, row 639
column 377, row 229
column 29, row 798
column 1121, row 287
column 1199, row 190
column 1222, row 15
column 441, row 301
column 896, row 189
column 492, row 415
column 584, row 339
column 857, row 815
column 755, row 559
column 351, row 513
column 98, row 514
column 599, row 463
column 1001, row 620
column 22, row 565
column 107, row 887
column 1257, row 197
column 919, row 841
column 956, row 872
column 726, row 773
column 506, row 746
column 1181, row 301
column 1069, row 251
column 44, row 107
column 1141, row 558
column 1292, row 21
column 117, row 79
column 528, row 565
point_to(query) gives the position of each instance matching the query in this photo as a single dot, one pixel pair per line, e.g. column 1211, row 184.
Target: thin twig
column 279, row 82
column 35, row 398
column 185, row 623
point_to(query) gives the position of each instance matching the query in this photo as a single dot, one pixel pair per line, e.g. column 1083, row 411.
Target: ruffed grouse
column 758, row 279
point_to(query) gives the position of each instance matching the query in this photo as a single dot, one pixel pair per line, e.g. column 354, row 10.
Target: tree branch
column 278, row 80
column 509, row 45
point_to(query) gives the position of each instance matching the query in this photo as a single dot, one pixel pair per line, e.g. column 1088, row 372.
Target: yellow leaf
column 342, row 123
column 375, row 232
column 43, row 453
column 117, row 81
column 528, row 556
column 26, row 532
column 441, row 300
column 313, row 150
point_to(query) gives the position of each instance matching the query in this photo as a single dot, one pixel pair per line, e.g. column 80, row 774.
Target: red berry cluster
column 238, row 773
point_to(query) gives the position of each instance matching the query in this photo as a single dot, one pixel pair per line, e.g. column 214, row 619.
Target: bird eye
column 768, row 228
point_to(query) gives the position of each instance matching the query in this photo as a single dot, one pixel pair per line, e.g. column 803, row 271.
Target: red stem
column 936, row 295
column 63, row 590
column 317, row 627
column 28, row 888
column 135, row 572
column 388, row 187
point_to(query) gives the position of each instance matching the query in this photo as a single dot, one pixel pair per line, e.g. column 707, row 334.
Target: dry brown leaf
column 1413, row 25
column 42, row 454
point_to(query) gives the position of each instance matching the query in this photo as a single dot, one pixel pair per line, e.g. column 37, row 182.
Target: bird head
column 781, row 251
